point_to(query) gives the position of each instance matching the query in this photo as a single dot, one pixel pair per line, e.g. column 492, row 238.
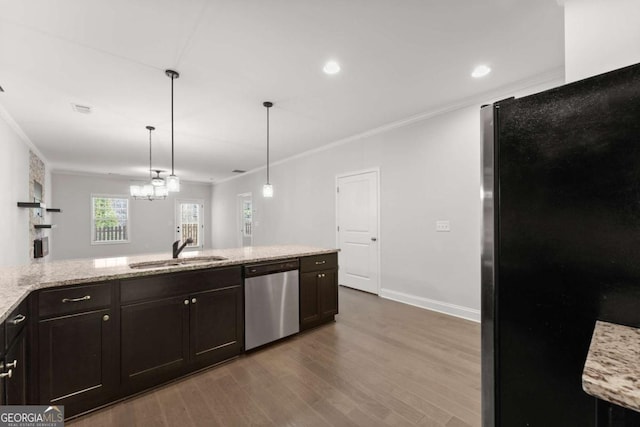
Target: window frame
column 93, row 219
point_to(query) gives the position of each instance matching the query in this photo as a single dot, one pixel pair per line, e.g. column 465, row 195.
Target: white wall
column 600, row 36
column 14, row 174
column 152, row 224
column 430, row 170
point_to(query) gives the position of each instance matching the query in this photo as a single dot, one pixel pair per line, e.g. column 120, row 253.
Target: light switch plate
column 443, row 225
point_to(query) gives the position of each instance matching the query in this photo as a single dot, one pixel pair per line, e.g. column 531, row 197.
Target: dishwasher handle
column 254, row 270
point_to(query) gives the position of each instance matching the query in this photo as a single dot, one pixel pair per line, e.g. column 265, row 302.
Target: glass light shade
column 267, row 190
column 157, row 181
column 173, row 183
column 161, row 191
column 135, row 190
column 147, row 190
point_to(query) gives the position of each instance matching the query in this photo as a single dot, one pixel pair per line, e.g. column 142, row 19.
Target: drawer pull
column 105, row 318
column 6, row 374
column 13, row 364
column 18, row 319
column 193, row 301
column 84, row 298
column 320, row 262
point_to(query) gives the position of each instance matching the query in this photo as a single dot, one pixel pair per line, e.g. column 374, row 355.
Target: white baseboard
column 433, row 305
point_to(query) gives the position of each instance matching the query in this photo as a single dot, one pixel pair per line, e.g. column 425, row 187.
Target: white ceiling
column 398, row 59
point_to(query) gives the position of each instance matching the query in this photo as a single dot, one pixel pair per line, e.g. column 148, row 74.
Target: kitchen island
column 17, row 282
column 90, row 332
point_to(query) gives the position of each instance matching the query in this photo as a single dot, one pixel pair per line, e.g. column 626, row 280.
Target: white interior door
column 189, row 222
column 357, row 211
column 245, row 220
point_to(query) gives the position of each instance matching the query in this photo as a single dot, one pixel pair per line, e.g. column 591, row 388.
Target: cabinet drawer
column 74, row 299
column 175, row 284
column 319, row 262
column 16, row 321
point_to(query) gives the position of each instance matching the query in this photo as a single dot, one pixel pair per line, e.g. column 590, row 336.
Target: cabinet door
column 328, row 293
column 217, row 330
column 77, row 365
column 16, row 358
column 309, row 313
column 154, row 341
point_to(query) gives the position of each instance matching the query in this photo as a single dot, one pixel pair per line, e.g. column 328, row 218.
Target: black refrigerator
column 561, row 243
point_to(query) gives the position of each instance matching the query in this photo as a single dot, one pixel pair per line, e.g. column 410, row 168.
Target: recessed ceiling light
column 480, row 71
column 331, row 67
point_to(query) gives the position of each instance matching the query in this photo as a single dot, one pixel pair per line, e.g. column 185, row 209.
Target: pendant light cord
column 267, row 145
column 172, row 171
column 150, row 171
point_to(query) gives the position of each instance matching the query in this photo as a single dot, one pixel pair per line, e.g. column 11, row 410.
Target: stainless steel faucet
column 177, row 250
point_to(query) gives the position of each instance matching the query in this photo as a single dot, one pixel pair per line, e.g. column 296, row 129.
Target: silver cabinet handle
column 18, row 319
column 321, row 275
column 320, row 262
column 193, row 301
column 7, row 374
column 105, row 318
column 186, row 302
column 84, row 298
column 13, row 364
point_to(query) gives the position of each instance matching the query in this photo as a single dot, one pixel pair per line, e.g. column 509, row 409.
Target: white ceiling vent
column 84, row 109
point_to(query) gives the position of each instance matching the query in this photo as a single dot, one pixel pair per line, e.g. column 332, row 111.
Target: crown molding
column 553, row 76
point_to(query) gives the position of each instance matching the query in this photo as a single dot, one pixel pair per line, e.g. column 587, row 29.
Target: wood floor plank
column 173, row 407
column 381, row 363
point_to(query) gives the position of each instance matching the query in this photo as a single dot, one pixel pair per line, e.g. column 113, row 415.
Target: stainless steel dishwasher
column 271, row 302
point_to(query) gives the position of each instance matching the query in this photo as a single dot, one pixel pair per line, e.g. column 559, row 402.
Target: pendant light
column 155, row 189
column 267, row 189
column 173, row 182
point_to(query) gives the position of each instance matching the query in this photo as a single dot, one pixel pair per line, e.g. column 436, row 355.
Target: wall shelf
column 32, row 205
column 37, row 205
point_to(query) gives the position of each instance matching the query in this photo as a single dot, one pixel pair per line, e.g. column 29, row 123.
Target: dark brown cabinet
column 318, row 290
column 16, row 361
column 2, row 370
column 77, row 361
column 77, row 347
column 165, row 336
column 13, row 357
column 154, row 340
column 217, row 325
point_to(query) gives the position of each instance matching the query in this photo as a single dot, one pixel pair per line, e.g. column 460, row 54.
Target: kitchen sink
column 178, row 261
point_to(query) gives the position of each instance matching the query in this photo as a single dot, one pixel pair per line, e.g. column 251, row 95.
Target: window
column 110, row 219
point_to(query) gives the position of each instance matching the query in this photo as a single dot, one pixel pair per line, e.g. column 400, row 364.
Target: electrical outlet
column 443, row 225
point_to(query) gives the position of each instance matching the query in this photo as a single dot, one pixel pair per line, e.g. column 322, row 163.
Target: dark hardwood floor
column 381, row 363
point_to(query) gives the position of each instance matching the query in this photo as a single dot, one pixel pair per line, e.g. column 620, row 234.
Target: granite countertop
column 612, row 369
column 17, row 282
